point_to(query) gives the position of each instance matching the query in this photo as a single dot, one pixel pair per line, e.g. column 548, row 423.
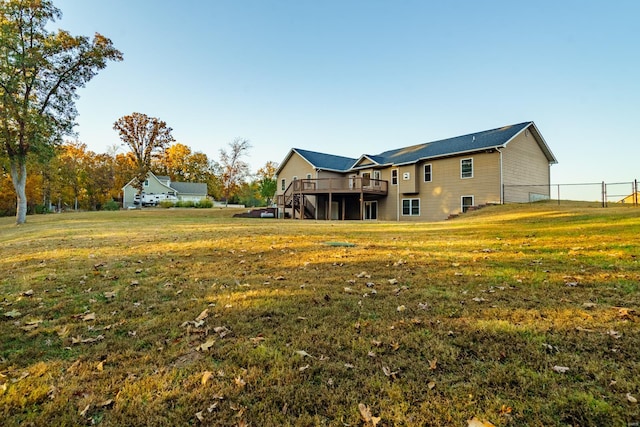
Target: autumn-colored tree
column 179, row 163
column 124, row 169
column 40, row 72
column 234, row 169
column 267, row 184
column 146, row 137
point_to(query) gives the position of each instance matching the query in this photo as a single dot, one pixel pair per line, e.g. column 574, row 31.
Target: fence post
column 558, row 194
column 604, row 195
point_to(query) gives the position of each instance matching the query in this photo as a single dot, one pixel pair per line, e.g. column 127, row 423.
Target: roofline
column 154, row 175
column 288, row 156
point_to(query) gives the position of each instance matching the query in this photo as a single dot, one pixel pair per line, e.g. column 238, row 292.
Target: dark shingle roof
column 190, row 188
column 460, row 144
column 470, row 143
column 326, row 161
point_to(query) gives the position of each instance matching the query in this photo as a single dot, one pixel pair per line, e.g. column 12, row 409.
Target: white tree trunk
column 19, row 179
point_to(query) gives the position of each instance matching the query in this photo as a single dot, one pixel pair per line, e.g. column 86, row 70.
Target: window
column 146, row 182
column 406, row 176
column 283, row 185
column 466, row 202
column 410, row 207
column 427, row 172
column 308, row 176
column 394, row 177
column 466, row 168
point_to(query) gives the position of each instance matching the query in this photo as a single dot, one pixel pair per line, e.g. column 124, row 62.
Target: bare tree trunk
column 19, row 179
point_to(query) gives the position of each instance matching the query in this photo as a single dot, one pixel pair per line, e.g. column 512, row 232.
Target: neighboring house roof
column 189, row 187
column 179, row 187
column 485, row 140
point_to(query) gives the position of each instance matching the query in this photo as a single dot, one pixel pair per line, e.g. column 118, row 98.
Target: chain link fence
column 604, row 193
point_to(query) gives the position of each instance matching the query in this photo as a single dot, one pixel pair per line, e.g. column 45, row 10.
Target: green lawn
column 521, row 315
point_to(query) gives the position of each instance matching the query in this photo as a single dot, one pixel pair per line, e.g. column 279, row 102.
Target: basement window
column 410, row 207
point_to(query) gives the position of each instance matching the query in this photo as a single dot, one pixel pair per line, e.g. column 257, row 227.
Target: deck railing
column 354, row 184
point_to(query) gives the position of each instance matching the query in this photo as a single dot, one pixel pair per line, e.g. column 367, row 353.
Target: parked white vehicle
column 153, row 199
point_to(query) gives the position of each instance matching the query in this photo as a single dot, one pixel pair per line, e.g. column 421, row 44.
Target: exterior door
column 371, row 210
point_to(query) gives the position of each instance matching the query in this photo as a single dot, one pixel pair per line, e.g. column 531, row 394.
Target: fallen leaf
column 433, row 364
column 589, row 305
column 205, row 377
column 505, row 410
column 207, row 345
column 13, row 314
column 239, row 382
column 365, row 412
column 401, row 308
column 393, row 281
column 100, row 366
column 110, row 295
column 303, row 353
column 631, row 399
column 105, row 403
column 560, row 369
column 423, row 306
column 615, row 334
column 476, row 299
column 88, row 317
column 475, row 422
column 85, row 410
column 303, row 368
column 28, row 293
column 431, row 385
column 199, row 416
column 203, row 315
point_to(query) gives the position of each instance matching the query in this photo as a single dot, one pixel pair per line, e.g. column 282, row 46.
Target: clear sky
column 354, row 77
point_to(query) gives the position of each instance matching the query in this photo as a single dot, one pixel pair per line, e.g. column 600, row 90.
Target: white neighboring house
column 159, row 188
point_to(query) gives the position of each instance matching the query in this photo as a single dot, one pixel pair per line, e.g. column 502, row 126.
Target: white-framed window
column 427, row 173
column 376, row 174
column 410, row 207
column 283, row 184
column 394, row 176
column 466, row 202
column 466, row 168
column 406, row 176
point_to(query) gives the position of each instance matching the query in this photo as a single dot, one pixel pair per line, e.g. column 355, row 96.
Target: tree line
column 76, row 178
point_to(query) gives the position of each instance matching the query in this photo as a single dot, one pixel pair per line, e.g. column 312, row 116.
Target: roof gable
column 326, row 161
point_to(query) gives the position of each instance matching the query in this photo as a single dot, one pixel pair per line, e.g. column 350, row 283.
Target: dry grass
column 101, row 319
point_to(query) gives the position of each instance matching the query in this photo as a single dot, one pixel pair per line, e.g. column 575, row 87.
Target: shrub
column 204, row 203
column 111, row 205
column 185, row 204
column 166, row 204
column 41, row 209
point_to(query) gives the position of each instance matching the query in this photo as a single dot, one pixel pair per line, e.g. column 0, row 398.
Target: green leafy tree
column 267, row 184
column 40, row 73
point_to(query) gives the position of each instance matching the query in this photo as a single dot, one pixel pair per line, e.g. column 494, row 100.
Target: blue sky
column 353, row 77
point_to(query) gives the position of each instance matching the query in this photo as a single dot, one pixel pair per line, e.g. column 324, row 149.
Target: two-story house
column 425, row 182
